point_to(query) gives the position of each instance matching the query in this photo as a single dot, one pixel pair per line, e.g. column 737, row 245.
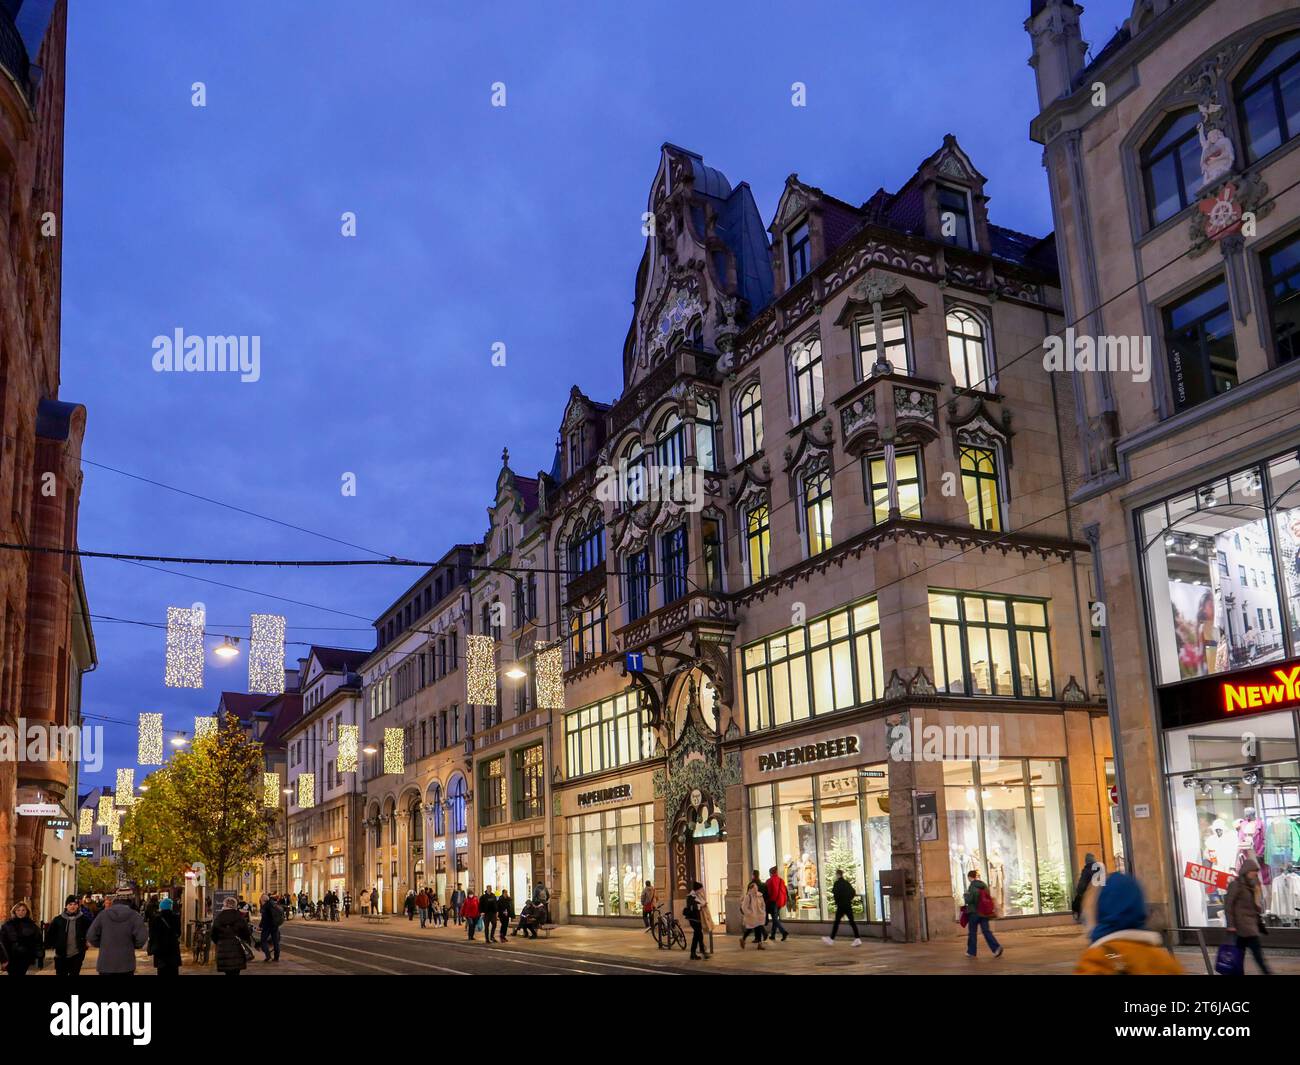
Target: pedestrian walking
column 410, row 905
column 979, row 911
column 843, row 893
column 164, row 944
column 777, row 897
column 753, row 912
column 695, row 909
column 469, row 913
column 457, row 902
column 119, row 931
column 1093, row 874
column 21, row 940
column 1242, row 911
column 422, row 904
column 505, row 911
column 233, row 936
column 1119, row 943
column 347, row 904
column 487, row 910
column 649, row 900
column 66, row 937
column 270, row 917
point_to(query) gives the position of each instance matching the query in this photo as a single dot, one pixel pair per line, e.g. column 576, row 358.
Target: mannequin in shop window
column 631, row 878
column 793, row 881
column 998, row 879
column 1218, row 849
column 1250, row 843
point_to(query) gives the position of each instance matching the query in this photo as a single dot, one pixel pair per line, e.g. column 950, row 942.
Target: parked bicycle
column 202, row 945
column 666, row 929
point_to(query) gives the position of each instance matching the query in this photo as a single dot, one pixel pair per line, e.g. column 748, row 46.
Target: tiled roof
column 343, row 659
column 242, row 704
column 288, row 710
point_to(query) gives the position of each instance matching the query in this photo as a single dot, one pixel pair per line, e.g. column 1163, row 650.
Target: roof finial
column 505, row 456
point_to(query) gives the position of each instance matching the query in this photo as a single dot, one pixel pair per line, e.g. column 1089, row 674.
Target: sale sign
column 1207, row 875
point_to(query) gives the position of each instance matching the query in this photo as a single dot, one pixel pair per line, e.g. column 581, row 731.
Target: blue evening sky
column 474, row 225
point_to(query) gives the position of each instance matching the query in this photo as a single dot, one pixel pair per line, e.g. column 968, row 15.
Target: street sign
column 39, row 809
column 1114, row 794
column 635, row 661
column 84, row 852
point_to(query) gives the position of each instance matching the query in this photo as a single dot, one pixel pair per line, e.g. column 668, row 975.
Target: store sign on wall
column 1237, row 694
column 839, row 747
column 1207, row 875
column 604, row 795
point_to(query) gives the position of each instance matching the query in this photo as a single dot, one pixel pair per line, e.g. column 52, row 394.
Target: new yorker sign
column 821, row 751
column 1231, row 695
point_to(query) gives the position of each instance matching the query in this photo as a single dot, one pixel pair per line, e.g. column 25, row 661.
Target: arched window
column 968, row 351
column 458, row 803
column 758, row 540
column 817, row 509
column 1268, row 97
column 439, row 814
column 586, row 546
column 634, row 474
column 1171, row 166
column 750, row 410
column 417, row 823
column 708, row 435
column 981, row 485
column 806, row 365
column 668, row 442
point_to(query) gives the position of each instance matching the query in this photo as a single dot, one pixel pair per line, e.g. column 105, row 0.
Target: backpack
column 691, row 908
column 985, row 907
column 277, row 914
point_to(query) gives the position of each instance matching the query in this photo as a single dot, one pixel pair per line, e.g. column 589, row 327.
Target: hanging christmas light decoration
column 125, row 787
column 394, row 762
column 306, row 790
column 85, row 821
column 549, row 666
column 205, row 726
column 266, row 655
column 349, row 742
column 105, row 816
column 270, row 790
column 480, row 670
column 184, row 647
column 149, row 740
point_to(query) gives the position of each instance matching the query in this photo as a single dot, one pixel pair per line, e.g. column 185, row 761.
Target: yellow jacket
column 1128, row 952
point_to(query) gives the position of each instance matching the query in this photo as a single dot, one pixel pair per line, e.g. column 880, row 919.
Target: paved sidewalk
column 286, row 966
column 1053, row 950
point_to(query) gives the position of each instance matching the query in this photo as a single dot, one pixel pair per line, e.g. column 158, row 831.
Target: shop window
column 810, row 827
column 492, row 791
column 818, row 511
column 611, row 856
column 990, row 645
column 908, row 477
column 806, row 372
column 798, row 252
column 1007, row 821
column 638, row 585
column 1228, row 802
column 832, row 663
column 968, row 352
column 1202, row 352
column 981, row 485
column 758, row 541
column 529, row 782
column 896, row 335
column 749, row 413
column 1268, row 97
column 1203, row 611
column 1171, row 166
column 1281, row 266
column 606, row 735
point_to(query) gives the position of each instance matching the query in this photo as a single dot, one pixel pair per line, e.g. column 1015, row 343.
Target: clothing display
column 1284, row 898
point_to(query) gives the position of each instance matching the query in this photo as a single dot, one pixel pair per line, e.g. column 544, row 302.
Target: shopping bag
column 1229, row 961
column 964, row 919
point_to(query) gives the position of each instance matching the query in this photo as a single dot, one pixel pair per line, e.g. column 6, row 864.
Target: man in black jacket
column 271, row 916
column 487, row 909
column 66, row 936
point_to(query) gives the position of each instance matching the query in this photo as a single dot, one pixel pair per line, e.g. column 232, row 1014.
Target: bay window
column 990, row 645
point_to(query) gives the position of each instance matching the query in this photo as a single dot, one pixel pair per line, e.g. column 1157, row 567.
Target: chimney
column 1059, row 47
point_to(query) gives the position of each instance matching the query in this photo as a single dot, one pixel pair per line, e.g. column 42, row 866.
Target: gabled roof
column 243, row 705
column 338, row 659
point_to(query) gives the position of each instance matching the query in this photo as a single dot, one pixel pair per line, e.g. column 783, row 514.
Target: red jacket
column 776, row 893
column 469, row 908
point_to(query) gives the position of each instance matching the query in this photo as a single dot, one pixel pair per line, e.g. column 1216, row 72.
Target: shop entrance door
column 711, row 871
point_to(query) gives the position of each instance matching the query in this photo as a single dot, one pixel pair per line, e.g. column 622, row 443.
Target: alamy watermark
column 915, row 741
column 26, row 741
column 180, row 353
column 1119, row 354
column 630, row 485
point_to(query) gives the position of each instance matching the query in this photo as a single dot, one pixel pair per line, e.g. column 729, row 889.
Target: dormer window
column 577, row 453
column 798, row 252
column 955, row 217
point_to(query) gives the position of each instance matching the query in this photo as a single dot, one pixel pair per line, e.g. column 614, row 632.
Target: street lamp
column 516, row 672
column 228, row 648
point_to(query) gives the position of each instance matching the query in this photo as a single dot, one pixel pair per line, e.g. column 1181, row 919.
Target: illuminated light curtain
column 349, row 743
column 549, row 667
column 149, row 744
column 394, row 759
column 480, row 670
column 306, row 790
column 125, row 787
column 266, row 655
column 205, row 726
column 85, row 821
column 270, row 790
column 105, row 816
column 184, row 647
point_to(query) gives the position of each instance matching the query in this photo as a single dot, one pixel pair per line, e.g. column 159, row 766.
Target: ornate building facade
column 1173, row 163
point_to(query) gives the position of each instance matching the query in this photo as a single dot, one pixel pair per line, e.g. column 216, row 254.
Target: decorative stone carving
column 920, row 683
column 1073, row 692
